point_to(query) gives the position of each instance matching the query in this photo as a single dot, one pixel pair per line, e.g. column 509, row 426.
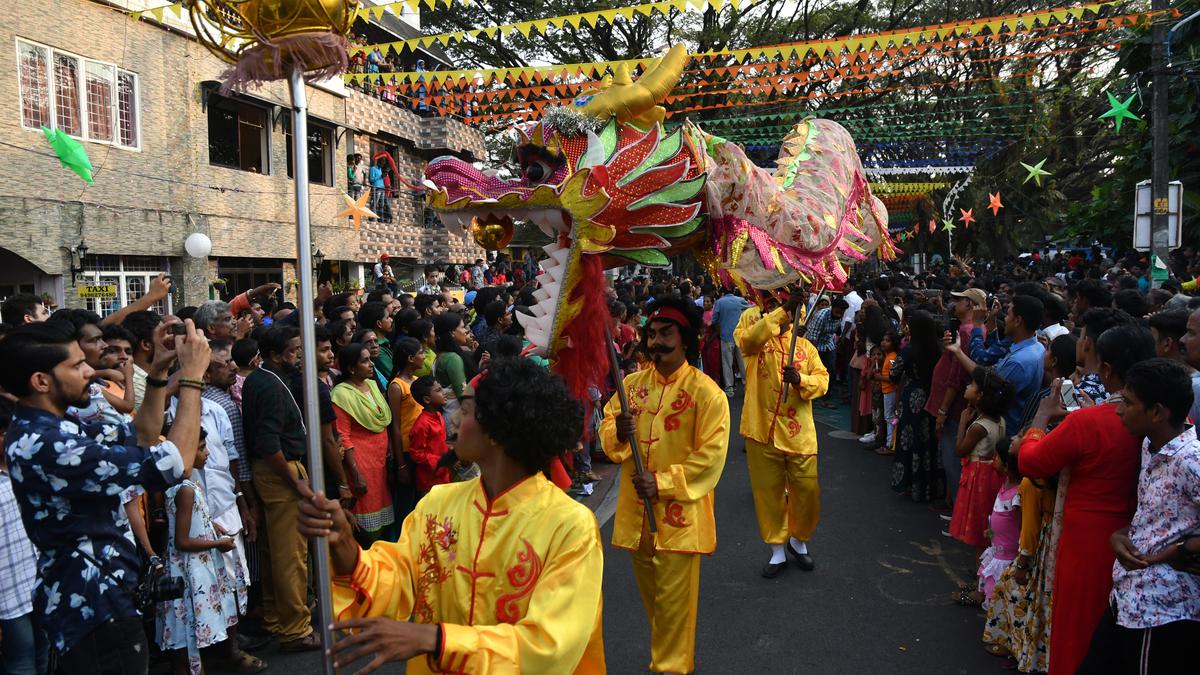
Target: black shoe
column 803, row 560
column 772, row 570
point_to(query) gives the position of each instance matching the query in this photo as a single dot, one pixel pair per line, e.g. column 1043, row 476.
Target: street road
column 878, row 602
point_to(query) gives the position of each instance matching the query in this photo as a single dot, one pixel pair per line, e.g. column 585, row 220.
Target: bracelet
column 191, row 385
column 155, row 382
column 1021, row 566
column 943, row 413
column 190, row 381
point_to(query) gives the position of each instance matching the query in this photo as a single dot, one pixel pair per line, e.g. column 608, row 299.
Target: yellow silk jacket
column 514, row 582
column 683, row 434
column 764, row 341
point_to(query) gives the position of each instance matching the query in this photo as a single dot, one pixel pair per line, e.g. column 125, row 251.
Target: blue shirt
column 376, row 177
column 68, row 477
column 1023, row 368
column 987, row 352
column 726, row 313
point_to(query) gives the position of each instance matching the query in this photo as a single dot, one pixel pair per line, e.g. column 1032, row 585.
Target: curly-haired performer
column 499, row 574
column 680, row 418
column 781, row 443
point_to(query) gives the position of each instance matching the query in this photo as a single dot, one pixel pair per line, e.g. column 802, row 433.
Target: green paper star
column 1035, row 172
column 1119, row 110
column 947, row 225
column 70, row 152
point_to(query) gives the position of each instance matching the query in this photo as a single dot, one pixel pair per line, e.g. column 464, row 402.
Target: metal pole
column 1160, row 171
column 308, row 340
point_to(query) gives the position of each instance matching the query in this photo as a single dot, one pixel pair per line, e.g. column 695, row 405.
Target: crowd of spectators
column 1042, row 404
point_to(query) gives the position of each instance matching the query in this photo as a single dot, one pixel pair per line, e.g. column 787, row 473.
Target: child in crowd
column 1018, row 620
column 208, row 606
column 427, row 440
column 1005, row 528
column 889, row 346
column 980, row 428
column 870, row 394
column 245, row 354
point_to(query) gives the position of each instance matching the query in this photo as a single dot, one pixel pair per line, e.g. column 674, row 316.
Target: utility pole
column 1159, row 129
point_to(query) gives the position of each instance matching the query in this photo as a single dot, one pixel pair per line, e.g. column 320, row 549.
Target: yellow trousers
column 670, row 587
column 285, row 551
column 787, row 497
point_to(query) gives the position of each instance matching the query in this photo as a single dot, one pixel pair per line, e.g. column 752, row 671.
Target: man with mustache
column 680, row 420
column 781, row 443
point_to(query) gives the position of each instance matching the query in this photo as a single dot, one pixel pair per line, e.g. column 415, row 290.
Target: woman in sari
column 363, row 417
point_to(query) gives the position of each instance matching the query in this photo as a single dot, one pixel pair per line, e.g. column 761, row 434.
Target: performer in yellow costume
column 781, row 442
column 500, row 574
column 680, row 418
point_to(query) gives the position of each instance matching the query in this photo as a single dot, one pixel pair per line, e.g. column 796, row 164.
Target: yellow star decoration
column 357, row 209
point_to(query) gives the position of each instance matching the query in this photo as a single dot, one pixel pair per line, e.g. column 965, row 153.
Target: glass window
column 320, row 152
column 130, row 274
column 101, row 87
column 127, row 110
column 237, row 134
column 67, row 104
column 33, row 61
column 83, row 98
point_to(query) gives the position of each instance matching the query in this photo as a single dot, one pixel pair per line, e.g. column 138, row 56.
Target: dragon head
column 610, row 186
column 604, row 180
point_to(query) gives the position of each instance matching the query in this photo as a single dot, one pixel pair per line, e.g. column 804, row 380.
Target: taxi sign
column 100, row 291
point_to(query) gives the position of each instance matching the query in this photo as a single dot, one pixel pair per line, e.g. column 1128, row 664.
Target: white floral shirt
column 68, row 477
column 1168, row 508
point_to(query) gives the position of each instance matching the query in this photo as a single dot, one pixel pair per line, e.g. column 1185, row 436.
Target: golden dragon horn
column 638, row 101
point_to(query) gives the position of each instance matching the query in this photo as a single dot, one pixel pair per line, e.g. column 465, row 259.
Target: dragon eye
column 537, row 172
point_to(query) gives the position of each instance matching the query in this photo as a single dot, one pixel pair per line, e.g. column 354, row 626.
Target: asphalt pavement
column 878, row 601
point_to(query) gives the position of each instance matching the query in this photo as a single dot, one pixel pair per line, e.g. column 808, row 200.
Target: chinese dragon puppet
column 611, row 186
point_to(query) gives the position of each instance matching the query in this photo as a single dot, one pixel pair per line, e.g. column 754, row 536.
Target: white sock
column 777, row 555
column 798, row 546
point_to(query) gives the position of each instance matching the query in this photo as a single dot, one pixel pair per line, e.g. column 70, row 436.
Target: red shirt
column 426, row 446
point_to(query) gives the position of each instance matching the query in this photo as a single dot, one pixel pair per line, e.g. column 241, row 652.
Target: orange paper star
column 968, row 217
column 994, row 203
column 357, row 210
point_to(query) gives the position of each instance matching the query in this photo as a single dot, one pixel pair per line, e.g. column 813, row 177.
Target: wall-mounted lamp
column 318, row 260
column 78, row 258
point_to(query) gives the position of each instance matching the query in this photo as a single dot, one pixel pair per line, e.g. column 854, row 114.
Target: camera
column 177, row 329
column 156, row 587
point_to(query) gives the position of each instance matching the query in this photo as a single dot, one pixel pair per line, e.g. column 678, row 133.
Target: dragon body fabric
column 612, row 186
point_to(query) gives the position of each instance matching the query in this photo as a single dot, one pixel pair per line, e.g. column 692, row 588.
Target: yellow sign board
column 101, row 291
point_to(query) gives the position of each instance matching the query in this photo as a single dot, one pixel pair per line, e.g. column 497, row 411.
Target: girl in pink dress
column 1005, row 526
column 980, row 429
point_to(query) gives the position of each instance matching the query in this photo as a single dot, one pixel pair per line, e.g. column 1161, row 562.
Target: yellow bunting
column 908, row 40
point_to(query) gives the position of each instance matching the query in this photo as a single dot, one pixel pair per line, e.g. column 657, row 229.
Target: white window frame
column 107, row 306
column 81, row 83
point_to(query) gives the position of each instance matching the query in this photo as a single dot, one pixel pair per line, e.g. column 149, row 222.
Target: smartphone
column 955, row 324
column 177, row 329
column 1070, row 398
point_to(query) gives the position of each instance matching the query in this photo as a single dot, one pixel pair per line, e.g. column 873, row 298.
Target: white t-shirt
column 219, row 484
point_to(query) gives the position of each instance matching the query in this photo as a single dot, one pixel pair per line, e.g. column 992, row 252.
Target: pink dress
column 977, row 488
column 1006, row 535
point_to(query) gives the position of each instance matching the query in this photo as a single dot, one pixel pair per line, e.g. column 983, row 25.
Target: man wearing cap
column 383, row 273
column 680, row 419
column 945, row 402
column 781, row 441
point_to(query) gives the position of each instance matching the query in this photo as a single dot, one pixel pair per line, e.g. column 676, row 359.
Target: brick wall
column 130, row 210
column 407, row 236
column 146, row 201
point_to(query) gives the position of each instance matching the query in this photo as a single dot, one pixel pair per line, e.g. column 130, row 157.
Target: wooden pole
column 614, row 363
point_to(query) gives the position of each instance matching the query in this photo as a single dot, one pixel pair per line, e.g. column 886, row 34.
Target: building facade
column 173, row 157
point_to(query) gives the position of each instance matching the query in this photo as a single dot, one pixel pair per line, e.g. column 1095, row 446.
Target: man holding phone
column 945, row 402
